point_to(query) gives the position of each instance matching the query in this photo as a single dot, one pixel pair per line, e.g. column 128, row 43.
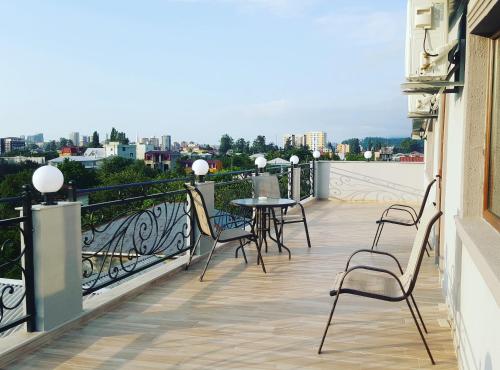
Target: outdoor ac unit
column 427, row 21
column 423, row 106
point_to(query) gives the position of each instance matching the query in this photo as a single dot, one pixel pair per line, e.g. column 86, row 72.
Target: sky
column 196, row 69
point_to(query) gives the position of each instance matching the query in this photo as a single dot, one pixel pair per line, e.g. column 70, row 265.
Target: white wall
column 371, row 181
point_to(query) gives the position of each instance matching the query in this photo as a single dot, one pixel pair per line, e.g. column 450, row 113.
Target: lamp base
column 48, row 200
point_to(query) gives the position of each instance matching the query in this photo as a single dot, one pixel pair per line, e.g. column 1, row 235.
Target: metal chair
column 208, row 228
column 414, row 219
column 268, row 186
column 382, row 284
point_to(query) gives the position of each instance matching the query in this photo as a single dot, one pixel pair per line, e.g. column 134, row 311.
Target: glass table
column 264, row 207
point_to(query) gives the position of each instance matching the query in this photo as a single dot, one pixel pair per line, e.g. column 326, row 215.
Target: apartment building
column 315, row 140
column 122, row 150
column 9, row 144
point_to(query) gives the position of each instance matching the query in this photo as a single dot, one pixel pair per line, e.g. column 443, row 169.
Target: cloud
column 364, row 27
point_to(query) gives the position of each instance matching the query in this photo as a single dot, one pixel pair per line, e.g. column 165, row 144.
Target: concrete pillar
column 322, row 180
column 57, row 259
column 207, row 189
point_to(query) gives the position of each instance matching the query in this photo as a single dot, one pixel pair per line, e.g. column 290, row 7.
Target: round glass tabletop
column 264, row 202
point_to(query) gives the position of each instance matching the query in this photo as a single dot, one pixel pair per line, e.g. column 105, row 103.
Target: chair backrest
column 429, row 217
column 200, row 210
column 266, row 186
column 424, row 201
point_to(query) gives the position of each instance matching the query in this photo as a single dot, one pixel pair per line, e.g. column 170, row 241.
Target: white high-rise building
column 75, row 138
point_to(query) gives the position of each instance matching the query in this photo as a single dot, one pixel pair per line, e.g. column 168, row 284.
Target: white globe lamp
column 200, row 168
column 48, row 180
column 260, row 162
column 368, row 155
column 294, row 160
column 316, row 154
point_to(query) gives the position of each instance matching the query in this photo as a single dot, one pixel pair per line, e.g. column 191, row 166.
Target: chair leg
column 420, row 332
column 208, row 260
column 328, row 323
column 191, row 251
column 418, row 313
column 242, row 246
column 307, row 232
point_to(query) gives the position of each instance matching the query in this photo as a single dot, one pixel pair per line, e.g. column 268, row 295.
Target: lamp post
column 294, row 160
column 260, row 163
column 48, row 180
column 368, row 155
column 316, row 154
column 200, row 168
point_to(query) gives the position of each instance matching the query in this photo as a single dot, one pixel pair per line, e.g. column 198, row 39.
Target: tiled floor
column 240, row 318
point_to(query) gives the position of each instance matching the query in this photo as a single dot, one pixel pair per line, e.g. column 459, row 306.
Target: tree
column 84, row 178
column 408, row 145
column 354, row 146
column 241, row 146
column 259, row 144
column 119, row 136
column 288, row 144
column 226, row 143
column 62, row 142
column 51, row 146
column 95, row 140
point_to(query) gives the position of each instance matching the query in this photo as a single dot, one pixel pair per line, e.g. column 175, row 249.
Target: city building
column 9, row 144
column 75, row 138
column 84, row 140
column 122, row 150
column 315, row 140
column 34, row 139
column 95, row 152
column 214, row 165
column 20, row 159
column 69, row 151
column 88, row 162
column 342, row 148
column 166, row 142
column 150, row 141
column 162, row 160
column 141, row 149
column 294, row 140
column 386, row 153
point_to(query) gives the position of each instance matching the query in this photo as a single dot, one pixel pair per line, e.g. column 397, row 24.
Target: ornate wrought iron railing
column 306, row 180
column 131, row 227
column 17, row 305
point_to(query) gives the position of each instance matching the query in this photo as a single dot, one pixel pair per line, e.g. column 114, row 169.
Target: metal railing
column 17, row 304
column 306, row 180
column 128, row 228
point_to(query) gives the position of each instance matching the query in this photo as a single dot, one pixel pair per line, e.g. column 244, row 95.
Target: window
column 492, row 173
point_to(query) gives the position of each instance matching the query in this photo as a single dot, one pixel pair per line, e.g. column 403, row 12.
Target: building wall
column 469, row 247
column 371, row 181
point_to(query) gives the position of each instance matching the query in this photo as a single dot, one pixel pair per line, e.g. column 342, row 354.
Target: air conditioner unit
column 423, row 106
column 427, row 44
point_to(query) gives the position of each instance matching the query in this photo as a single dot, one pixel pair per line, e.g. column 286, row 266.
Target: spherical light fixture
column 200, row 168
column 316, row 154
column 368, row 154
column 260, row 162
column 48, row 180
column 294, row 160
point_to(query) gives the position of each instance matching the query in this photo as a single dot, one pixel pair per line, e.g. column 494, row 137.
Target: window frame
column 489, row 216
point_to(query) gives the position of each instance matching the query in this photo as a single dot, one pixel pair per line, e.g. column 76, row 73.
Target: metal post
column 312, row 164
column 290, row 181
column 72, row 191
column 28, row 259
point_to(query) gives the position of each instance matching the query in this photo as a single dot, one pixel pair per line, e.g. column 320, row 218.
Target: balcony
column 239, row 317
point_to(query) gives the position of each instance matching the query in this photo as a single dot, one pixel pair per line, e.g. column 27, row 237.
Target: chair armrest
column 393, row 208
column 373, row 252
column 371, row 268
column 406, row 207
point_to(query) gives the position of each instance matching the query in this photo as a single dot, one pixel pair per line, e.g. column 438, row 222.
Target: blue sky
column 197, row 69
